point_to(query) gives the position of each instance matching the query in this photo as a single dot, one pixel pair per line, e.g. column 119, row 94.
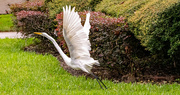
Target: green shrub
column 55, row 6
column 118, row 8
column 47, row 1
column 165, row 34
column 142, row 16
column 93, row 4
column 111, row 41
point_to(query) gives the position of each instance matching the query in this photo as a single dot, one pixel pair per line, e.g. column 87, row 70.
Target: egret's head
column 40, row 33
column 44, row 34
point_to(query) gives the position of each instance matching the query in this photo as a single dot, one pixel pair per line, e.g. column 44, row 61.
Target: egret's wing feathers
column 87, row 25
column 76, row 36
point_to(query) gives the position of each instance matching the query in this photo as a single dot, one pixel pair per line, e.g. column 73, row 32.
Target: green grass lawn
column 6, row 22
column 28, row 73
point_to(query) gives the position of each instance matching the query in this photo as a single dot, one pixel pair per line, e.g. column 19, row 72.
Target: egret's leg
column 102, row 82
column 99, row 81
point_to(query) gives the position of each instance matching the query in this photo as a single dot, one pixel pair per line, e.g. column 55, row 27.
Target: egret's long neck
column 64, row 56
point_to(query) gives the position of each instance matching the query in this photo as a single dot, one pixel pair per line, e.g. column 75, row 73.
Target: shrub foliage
column 153, row 22
column 33, row 17
column 28, row 6
column 111, row 41
column 33, row 21
column 55, row 6
column 165, row 34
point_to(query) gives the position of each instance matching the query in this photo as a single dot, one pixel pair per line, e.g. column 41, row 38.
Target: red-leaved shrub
column 34, row 21
column 28, row 6
column 34, row 17
column 111, row 41
column 24, row 14
column 28, row 22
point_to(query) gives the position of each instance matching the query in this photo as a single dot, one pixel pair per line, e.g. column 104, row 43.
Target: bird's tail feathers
column 89, row 66
column 88, row 61
column 92, row 62
column 96, row 63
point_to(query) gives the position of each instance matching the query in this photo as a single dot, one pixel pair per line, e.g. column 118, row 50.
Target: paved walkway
column 4, row 5
column 10, row 35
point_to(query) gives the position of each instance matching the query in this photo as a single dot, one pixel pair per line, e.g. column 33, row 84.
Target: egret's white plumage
column 77, row 40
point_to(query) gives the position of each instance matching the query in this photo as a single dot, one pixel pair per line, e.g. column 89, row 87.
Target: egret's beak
column 38, row 33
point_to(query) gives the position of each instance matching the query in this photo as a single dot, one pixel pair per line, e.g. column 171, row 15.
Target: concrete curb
column 10, row 35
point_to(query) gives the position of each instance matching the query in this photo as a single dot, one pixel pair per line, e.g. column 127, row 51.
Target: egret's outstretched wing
column 77, row 36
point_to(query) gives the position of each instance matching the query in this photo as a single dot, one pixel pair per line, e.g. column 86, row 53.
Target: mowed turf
column 28, row 73
column 6, row 22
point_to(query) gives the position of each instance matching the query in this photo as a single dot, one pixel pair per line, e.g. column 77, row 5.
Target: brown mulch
column 149, row 75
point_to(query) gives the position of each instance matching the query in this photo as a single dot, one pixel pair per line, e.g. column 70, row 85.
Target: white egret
column 77, row 39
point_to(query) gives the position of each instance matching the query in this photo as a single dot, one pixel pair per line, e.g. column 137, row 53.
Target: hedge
column 34, row 17
column 146, row 19
column 28, row 6
column 55, row 6
column 165, row 34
